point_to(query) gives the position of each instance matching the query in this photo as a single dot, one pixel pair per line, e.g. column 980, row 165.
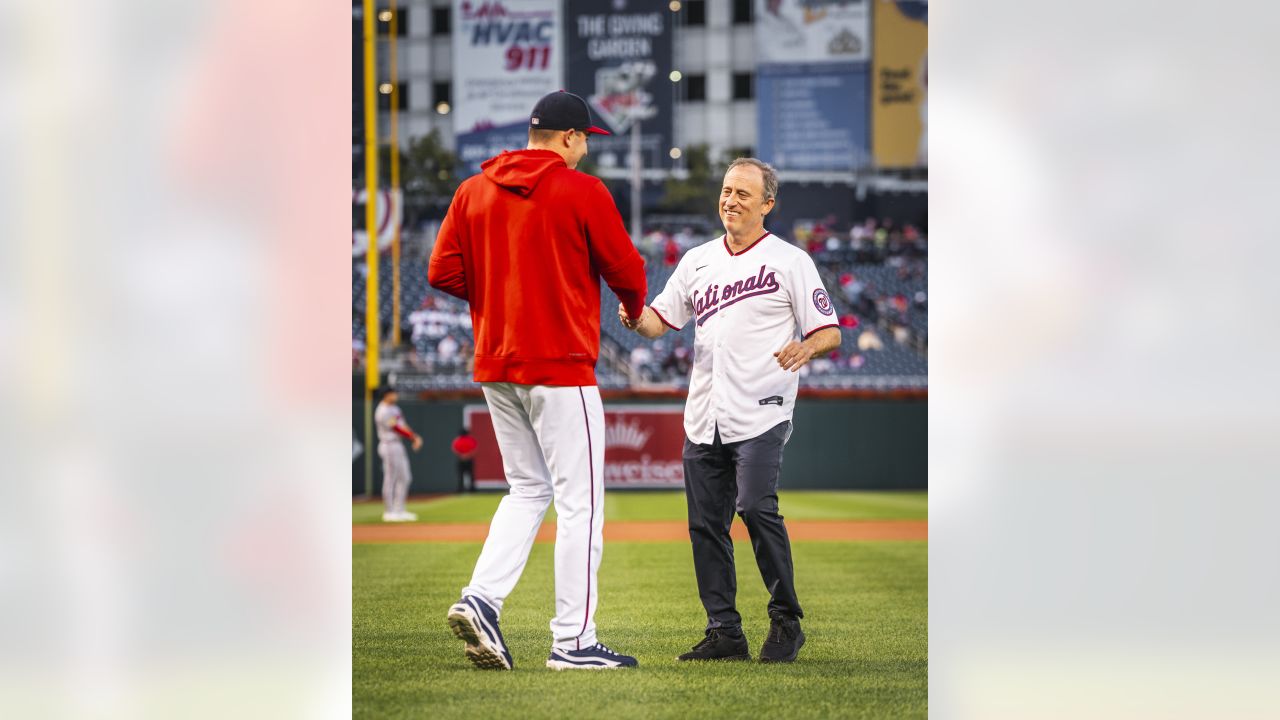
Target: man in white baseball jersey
column 396, row 477
column 760, row 313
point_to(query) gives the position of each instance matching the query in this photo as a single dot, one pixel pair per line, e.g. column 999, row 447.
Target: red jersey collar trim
column 745, row 249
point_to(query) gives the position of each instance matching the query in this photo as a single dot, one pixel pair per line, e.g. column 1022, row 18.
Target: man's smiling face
column 742, row 202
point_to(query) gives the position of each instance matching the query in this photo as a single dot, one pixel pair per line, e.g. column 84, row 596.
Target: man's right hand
column 625, row 319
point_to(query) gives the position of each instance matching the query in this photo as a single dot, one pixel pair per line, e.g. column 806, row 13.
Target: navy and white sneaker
column 475, row 622
column 596, row 657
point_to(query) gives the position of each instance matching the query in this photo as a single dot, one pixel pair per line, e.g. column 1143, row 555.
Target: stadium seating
column 428, row 316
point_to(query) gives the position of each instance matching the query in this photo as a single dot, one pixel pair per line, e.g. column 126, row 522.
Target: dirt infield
column 662, row 531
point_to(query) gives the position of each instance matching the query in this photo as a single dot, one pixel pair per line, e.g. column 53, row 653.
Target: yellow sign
column 900, row 83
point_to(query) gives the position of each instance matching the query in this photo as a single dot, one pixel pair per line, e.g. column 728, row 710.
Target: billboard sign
column 812, row 96
column 619, row 59
column 389, row 209
column 506, row 55
column 900, row 84
column 812, row 31
column 642, row 446
column 812, row 120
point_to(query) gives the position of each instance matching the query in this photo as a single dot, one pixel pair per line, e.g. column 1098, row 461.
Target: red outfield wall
column 642, row 446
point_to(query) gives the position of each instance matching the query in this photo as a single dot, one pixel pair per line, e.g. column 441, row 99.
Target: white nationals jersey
column 746, row 307
column 385, row 417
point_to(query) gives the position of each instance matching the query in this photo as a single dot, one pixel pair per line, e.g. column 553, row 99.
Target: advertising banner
column 642, row 446
column 812, row 95
column 812, row 31
column 900, row 83
column 812, row 120
column 506, row 55
column 388, row 210
column 619, row 59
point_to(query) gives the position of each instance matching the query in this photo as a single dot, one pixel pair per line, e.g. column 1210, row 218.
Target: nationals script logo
column 715, row 297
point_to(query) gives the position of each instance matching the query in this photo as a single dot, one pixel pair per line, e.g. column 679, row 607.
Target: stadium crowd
column 876, row 271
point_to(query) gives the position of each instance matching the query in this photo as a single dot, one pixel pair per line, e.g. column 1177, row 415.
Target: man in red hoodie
column 526, row 242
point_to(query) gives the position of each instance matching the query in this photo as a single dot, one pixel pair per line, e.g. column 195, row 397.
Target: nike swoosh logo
column 699, row 268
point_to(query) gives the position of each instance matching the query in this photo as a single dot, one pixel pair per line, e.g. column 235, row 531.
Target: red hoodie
column 526, row 242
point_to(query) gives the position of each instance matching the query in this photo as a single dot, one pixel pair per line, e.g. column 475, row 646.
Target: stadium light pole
column 372, row 341
column 396, row 194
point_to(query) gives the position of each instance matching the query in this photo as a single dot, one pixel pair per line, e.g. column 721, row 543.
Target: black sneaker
column 719, row 644
column 784, row 641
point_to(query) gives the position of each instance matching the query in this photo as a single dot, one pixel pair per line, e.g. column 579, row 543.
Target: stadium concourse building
column 802, row 84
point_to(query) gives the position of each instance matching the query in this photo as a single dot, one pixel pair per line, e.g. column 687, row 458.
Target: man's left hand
column 793, row 356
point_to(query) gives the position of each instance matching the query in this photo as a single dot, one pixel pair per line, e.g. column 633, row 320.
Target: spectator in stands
column 447, row 351
column 418, row 326
column 861, row 232
column 901, row 334
column 817, row 238
column 671, row 253
column 862, row 237
column 678, row 362
column 642, row 361
column 685, row 239
column 868, row 305
column 801, row 234
column 900, row 306
column 653, row 243
column 823, row 365
column 848, row 321
column 852, row 288
column 870, row 340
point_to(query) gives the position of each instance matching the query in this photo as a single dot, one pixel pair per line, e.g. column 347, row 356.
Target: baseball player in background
column 396, row 477
column 760, row 313
column 526, row 242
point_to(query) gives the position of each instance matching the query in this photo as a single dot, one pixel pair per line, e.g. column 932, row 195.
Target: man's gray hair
column 770, row 175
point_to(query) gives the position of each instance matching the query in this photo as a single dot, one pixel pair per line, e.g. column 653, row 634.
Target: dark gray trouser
column 720, row 479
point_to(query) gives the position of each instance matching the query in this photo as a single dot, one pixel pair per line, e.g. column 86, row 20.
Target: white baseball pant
column 396, row 477
column 552, row 443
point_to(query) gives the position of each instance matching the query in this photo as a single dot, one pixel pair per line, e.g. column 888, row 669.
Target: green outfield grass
column 663, row 505
column 866, row 620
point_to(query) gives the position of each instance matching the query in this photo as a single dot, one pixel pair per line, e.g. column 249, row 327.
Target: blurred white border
column 173, row 360
column 1102, row 423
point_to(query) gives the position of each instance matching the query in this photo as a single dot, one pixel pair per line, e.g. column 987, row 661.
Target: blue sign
column 813, row 117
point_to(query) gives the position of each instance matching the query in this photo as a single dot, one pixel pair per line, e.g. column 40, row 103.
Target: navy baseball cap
column 563, row 111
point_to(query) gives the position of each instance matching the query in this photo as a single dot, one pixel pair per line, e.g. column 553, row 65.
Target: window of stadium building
column 695, row 13
column 695, row 88
column 441, row 21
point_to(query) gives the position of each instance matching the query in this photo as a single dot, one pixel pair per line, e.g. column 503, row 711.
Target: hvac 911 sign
column 642, row 446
